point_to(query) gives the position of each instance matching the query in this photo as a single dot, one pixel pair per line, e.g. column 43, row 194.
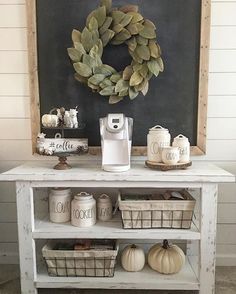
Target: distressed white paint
column 27, row 250
column 146, row 279
column 138, row 174
column 204, row 176
column 208, row 240
column 14, row 104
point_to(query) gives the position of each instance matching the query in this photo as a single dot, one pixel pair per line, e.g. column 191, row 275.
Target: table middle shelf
column 44, row 229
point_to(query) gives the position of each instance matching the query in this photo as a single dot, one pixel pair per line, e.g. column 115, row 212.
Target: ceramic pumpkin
column 165, row 258
column 133, row 258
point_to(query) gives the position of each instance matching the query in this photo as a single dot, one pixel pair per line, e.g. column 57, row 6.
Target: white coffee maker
column 116, row 140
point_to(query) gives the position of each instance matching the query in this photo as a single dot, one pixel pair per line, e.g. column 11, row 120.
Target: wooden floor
column 9, row 284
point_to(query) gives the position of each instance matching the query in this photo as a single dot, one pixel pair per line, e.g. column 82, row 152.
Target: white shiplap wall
column 15, row 145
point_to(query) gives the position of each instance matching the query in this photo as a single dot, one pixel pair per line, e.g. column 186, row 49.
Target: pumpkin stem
column 165, row 244
column 133, row 246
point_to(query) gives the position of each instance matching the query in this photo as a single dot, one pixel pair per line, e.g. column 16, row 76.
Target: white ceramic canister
column 83, row 210
column 184, row 148
column 104, row 207
column 170, row 155
column 59, row 205
column 157, row 138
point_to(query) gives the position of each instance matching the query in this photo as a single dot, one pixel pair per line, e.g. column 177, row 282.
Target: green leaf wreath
column 116, row 26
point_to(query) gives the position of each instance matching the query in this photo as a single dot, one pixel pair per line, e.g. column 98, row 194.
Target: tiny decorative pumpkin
column 133, row 258
column 50, row 120
column 165, row 258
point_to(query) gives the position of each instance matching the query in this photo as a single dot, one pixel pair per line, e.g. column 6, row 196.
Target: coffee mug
column 170, row 155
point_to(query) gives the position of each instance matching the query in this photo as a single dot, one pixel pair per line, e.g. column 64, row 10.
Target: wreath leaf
column 82, row 69
column 100, row 15
column 143, row 52
column 115, row 99
column 135, row 79
column 75, row 55
column 129, row 8
column 76, row 36
column 86, row 39
column 107, row 4
column 96, row 79
column 108, row 91
column 105, row 25
column 154, row 67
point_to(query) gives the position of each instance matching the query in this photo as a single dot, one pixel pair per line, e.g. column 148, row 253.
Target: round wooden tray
column 165, row 167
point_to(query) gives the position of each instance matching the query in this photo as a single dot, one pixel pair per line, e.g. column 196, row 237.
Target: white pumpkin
column 50, row 120
column 165, row 258
column 133, row 258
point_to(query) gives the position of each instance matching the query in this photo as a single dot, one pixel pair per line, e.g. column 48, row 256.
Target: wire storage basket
column 80, row 263
column 157, row 210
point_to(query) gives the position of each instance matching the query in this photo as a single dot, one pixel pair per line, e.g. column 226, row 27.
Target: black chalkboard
column 172, row 100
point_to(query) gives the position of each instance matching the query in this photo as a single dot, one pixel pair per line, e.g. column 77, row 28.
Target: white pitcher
column 157, row 138
column 184, row 148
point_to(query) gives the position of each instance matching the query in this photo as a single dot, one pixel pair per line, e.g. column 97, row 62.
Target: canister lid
column 83, row 196
column 181, row 137
column 158, row 128
column 104, row 198
column 60, row 191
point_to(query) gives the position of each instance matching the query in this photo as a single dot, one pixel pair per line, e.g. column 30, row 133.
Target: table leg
column 25, row 215
column 208, row 238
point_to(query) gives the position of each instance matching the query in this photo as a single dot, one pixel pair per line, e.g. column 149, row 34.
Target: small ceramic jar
column 59, row 205
column 83, row 210
column 157, row 138
column 184, row 148
column 170, row 155
column 104, row 208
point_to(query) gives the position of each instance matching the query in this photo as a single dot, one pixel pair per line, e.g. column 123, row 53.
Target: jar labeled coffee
column 83, row 210
column 59, row 205
column 157, row 138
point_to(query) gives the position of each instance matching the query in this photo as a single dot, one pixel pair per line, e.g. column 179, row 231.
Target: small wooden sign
column 61, row 146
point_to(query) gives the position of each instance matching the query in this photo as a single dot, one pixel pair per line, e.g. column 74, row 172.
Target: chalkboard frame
column 199, row 149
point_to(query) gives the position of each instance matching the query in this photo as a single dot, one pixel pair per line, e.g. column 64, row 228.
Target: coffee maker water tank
column 116, row 141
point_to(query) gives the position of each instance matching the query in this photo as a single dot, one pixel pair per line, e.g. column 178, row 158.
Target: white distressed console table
column 32, row 181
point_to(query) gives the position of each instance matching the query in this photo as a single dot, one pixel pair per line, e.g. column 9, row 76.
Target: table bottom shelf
column 146, row 279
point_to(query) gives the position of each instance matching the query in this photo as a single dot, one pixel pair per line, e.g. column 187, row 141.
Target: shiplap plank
column 9, row 255
column 11, row 2
column 223, row 37
column 230, row 249
column 227, row 193
column 221, row 106
column 20, row 129
column 7, row 192
column 220, row 150
column 7, row 212
column 222, row 83
column 17, row 13
column 221, row 128
column 227, row 213
column 8, row 232
column 226, row 234
column 13, row 38
column 14, row 62
column 222, row 60
column 14, row 85
column 15, row 149
column 223, row 13
column 14, row 107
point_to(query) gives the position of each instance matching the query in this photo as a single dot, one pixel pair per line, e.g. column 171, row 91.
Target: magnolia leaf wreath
column 116, row 26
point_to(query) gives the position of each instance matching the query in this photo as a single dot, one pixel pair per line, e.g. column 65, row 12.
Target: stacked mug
column 159, row 147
